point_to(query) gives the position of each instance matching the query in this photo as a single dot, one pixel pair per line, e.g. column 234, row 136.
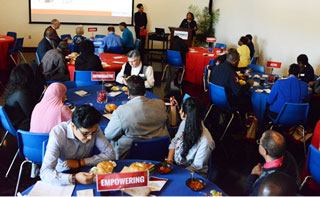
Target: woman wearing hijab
column 50, row 111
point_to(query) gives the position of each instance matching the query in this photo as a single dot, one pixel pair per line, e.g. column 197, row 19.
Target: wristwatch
column 73, row 179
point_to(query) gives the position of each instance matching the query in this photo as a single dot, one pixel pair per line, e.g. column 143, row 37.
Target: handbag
column 296, row 134
column 252, row 127
column 173, row 112
column 143, row 32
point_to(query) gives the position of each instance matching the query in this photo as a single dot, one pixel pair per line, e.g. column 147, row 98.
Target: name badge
column 141, row 75
column 301, row 74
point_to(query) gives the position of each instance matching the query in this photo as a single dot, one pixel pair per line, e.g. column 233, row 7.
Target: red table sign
column 211, row 39
column 273, row 64
column 117, row 181
column 92, row 29
column 103, row 76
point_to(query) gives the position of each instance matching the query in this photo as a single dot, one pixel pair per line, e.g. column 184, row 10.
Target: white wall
column 14, row 16
column 282, row 29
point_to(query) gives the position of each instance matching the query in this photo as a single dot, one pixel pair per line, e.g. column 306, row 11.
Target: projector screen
column 81, row 11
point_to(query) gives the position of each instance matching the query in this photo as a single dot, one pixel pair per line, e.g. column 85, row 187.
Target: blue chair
column 206, row 77
column 186, row 96
column 38, row 58
column 98, row 46
column 115, row 50
column 12, row 34
column 137, row 44
column 313, row 165
column 30, row 149
column 17, row 50
column 69, row 84
column 292, row 114
column 257, row 68
column 254, row 60
column 7, row 125
column 63, row 36
column 211, row 62
column 220, row 46
column 155, row 149
column 219, row 98
column 174, row 59
column 83, row 78
column 99, row 37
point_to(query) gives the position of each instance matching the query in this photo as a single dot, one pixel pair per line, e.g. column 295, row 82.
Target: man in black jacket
column 272, row 147
column 47, row 43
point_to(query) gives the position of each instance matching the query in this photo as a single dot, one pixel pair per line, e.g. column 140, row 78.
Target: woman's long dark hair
column 21, row 78
column 193, row 127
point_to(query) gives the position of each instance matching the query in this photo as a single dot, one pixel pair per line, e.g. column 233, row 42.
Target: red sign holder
column 117, row 181
column 273, row 64
column 92, row 29
column 103, row 76
column 211, row 39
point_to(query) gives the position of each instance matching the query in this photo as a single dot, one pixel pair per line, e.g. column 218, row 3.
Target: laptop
column 160, row 31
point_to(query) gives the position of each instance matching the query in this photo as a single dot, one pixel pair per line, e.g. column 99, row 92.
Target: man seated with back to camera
column 70, row 146
column 139, row 118
column 134, row 66
column 272, row 147
column 225, row 75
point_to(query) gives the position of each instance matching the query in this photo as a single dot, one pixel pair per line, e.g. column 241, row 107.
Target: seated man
column 225, row 75
column 134, row 67
column 278, row 184
column 272, row 147
column 127, row 38
column 113, row 42
column 290, row 90
column 53, row 64
column 140, row 118
column 306, row 72
column 70, row 146
column 47, row 43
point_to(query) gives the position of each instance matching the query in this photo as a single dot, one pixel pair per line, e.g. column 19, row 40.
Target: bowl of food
column 164, row 168
column 111, row 107
column 115, row 88
column 124, row 88
column 196, row 184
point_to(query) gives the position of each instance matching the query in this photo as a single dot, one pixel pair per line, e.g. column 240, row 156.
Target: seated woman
column 51, row 109
column 244, row 53
column 87, row 60
column 78, row 38
column 19, row 96
column 193, row 144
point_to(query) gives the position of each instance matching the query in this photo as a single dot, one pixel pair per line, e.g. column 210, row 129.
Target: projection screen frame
column 75, row 23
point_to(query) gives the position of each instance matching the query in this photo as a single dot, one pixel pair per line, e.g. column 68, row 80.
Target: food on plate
column 124, row 88
column 104, row 167
column 215, row 193
column 196, row 185
column 137, row 166
column 74, row 54
column 115, row 88
column 242, row 82
column 111, row 107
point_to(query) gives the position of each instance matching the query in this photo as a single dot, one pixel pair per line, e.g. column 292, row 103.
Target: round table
column 91, row 99
column 196, row 61
column 6, row 42
column 114, row 64
column 175, row 185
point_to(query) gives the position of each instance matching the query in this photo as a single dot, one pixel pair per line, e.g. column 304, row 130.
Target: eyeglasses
column 87, row 134
column 132, row 61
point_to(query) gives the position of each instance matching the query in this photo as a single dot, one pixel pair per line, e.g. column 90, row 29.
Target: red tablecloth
column 6, row 42
column 196, row 62
column 105, row 57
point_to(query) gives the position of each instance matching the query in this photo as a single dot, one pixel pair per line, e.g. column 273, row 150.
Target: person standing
column 140, row 20
column 189, row 23
column 127, row 38
column 244, row 53
column 250, row 45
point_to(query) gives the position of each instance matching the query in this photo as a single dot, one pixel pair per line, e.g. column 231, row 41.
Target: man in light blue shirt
column 70, row 146
column 127, row 38
column 113, row 42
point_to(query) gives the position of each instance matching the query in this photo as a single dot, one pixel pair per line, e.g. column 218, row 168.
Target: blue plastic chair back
column 137, row 44
column 99, row 37
column 30, row 145
column 63, row 36
column 211, row 62
column 218, row 97
column 292, row 114
column 12, row 34
column 115, row 50
column 98, row 46
column 38, row 58
column 70, row 84
column 83, row 78
column 256, row 68
column 6, row 123
column 186, row 96
column 150, row 149
column 220, row 46
column 174, row 58
column 205, row 75
column 254, row 60
column 17, row 46
column 313, row 163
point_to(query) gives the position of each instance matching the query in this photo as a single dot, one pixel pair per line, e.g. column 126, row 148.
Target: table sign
column 103, row 76
column 182, row 34
column 209, row 39
column 273, row 64
column 92, row 29
column 117, row 181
